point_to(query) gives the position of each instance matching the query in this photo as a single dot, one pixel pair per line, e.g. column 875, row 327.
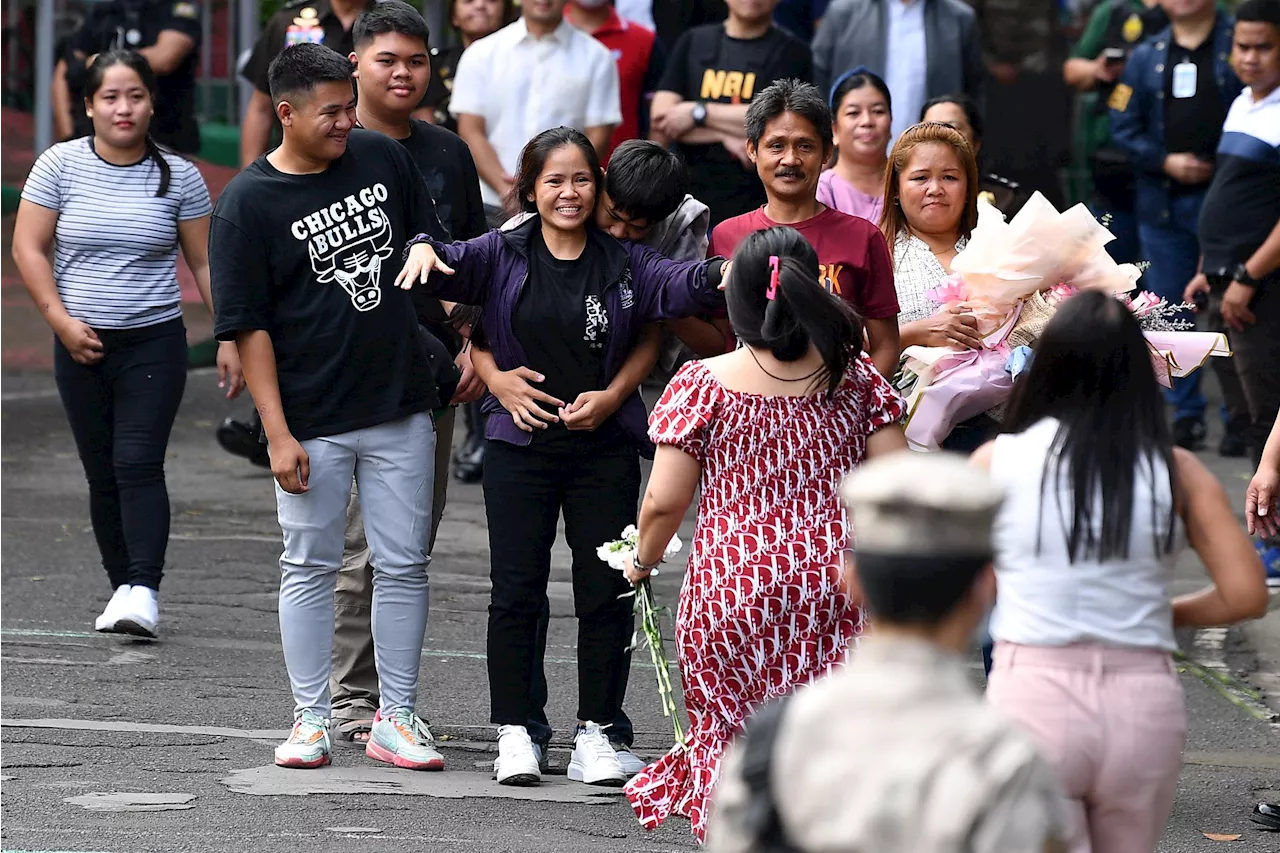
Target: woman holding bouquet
column 1086, row 546
column 765, row 433
column 563, row 306
column 930, row 208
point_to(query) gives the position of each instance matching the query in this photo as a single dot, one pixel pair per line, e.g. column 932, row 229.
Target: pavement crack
column 39, row 765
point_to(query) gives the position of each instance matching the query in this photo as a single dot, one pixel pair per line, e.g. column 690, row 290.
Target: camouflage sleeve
column 1029, row 813
column 726, row 831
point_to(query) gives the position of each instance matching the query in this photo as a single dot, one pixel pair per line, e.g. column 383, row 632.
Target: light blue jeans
column 393, row 468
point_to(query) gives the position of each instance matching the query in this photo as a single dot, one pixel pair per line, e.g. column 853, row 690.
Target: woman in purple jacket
column 563, row 304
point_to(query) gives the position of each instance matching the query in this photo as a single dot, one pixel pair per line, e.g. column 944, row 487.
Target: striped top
column 116, row 244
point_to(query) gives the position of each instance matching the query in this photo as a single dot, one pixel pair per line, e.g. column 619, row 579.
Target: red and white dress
column 763, row 608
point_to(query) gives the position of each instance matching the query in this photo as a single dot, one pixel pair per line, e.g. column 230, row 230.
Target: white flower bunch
column 621, row 551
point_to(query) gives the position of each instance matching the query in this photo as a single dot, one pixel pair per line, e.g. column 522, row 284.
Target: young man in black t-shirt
column 305, row 246
column 712, row 74
column 392, row 69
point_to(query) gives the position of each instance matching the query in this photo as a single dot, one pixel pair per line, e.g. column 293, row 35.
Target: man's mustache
column 789, row 172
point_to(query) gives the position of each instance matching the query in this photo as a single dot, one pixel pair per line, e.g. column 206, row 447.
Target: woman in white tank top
column 1099, row 505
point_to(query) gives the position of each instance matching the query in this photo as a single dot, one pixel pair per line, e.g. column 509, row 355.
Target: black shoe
column 468, row 466
column 1189, row 433
column 1234, row 444
column 241, row 439
column 1266, row 815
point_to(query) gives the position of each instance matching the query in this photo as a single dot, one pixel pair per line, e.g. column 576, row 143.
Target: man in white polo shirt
column 537, row 73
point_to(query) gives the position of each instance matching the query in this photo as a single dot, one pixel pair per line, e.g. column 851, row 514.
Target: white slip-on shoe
column 140, row 613
column 517, row 762
column 106, row 623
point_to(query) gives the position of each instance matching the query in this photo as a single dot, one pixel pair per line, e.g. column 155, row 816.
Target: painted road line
column 274, row 646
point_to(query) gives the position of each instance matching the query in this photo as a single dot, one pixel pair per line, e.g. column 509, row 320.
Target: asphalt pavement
column 125, row 746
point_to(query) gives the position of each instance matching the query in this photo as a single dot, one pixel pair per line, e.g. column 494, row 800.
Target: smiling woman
column 565, row 307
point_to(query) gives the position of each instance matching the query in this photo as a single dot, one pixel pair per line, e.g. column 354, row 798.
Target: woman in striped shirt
column 116, row 207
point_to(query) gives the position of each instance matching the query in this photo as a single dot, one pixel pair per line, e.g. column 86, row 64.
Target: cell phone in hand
column 1114, row 56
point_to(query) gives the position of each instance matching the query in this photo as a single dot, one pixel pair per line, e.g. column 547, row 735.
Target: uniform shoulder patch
column 186, row 10
column 1119, row 100
column 1132, row 30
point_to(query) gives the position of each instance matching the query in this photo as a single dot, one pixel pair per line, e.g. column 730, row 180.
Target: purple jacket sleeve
column 672, row 290
column 473, row 264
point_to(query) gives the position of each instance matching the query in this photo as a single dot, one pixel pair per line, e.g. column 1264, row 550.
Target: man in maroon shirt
column 640, row 62
column 789, row 138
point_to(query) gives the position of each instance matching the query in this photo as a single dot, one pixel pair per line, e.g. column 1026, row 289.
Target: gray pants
column 354, row 683
column 394, row 476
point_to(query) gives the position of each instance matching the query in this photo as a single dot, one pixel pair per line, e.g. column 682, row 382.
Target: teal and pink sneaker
column 308, row 745
column 403, row 739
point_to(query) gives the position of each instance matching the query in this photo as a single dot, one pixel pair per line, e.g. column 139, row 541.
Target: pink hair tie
column 774, row 267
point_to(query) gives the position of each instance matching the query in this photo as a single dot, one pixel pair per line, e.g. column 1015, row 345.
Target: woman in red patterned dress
column 766, row 433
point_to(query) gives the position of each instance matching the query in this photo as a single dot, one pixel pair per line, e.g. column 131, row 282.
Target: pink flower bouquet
column 1015, row 274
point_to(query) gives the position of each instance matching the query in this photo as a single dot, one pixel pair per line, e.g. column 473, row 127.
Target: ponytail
column 801, row 311
column 156, row 153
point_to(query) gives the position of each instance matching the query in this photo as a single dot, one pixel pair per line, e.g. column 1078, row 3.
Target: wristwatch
column 1241, row 275
column 700, row 114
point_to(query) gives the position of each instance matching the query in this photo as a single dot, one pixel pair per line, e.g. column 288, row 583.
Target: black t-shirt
column 1192, row 123
column 673, row 18
column 562, row 325
column 312, row 259
column 298, row 22
column 708, row 65
column 131, row 25
column 443, row 64
column 453, row 188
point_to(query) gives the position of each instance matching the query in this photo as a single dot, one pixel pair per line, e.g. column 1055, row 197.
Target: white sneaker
column 517, row 762
column 139, row 613
column 630, row 762
column 106, row 623
column 594, row 761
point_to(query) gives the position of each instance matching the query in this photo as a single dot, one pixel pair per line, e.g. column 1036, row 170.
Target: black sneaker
column 1267, row 816
column 1188, row 433
column 1234, row 444
column 241, row 439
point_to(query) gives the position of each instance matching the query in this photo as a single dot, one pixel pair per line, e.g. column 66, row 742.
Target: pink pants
column 1113, row 723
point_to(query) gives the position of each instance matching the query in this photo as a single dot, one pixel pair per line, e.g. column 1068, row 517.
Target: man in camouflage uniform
column 897, row 753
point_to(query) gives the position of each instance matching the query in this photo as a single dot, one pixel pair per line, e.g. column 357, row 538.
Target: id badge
column 1184, row 80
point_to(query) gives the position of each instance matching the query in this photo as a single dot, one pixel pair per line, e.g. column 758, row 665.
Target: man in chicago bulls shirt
column 304, row 249
column 789, row 139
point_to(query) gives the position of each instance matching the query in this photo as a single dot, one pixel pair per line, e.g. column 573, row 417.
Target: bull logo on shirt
column 347, row 242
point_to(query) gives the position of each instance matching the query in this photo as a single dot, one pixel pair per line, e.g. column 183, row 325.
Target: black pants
column 595, row 481
column 1234, row 402
column 121, row 411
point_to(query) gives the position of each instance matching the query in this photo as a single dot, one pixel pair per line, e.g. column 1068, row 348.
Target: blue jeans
column 393, row 466
column 1173, row 250
column 121, row 411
